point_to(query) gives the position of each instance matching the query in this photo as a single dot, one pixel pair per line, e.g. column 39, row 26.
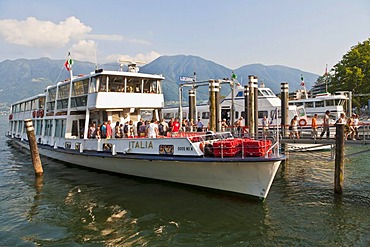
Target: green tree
column 352, row 73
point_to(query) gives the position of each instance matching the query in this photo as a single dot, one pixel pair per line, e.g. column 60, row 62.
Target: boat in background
column 64, row 115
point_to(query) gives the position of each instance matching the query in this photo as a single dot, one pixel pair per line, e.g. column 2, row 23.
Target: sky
column 306, row 35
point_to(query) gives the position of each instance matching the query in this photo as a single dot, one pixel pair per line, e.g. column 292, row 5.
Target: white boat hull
column 250, row 176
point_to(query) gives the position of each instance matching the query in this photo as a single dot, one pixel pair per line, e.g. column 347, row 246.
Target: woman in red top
column 176, row 126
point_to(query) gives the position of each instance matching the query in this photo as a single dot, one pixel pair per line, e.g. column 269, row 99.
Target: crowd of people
column 155, row 128
column 143, row 128
column 350, row 132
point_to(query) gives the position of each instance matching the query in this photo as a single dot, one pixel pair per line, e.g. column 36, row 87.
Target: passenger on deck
column 224, row 125
column 109, row 130
column 92, row 131
column 175, row 126
column 117, row 133
column 130, row 128
column 152, row 130
column 98, row 135
column 103, row 130
column 200, row 125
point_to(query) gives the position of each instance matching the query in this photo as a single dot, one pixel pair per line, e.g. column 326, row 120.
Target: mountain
column 24, row 78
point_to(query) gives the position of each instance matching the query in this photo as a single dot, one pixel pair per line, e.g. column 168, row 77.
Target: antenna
column 132, row 65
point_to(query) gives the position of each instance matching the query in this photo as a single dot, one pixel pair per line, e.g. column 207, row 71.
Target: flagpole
column 69, row 63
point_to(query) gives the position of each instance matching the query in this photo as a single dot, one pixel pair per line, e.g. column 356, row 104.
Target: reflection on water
column 73, row 206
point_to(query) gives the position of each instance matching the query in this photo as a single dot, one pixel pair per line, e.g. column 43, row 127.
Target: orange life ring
column 201, row 146
column 302, row 122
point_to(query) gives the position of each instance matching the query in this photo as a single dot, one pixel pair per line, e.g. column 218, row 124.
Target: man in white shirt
column 152, row 130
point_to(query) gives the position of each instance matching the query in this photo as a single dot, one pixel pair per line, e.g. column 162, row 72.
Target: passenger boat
column 63, row 114
column 336, row 103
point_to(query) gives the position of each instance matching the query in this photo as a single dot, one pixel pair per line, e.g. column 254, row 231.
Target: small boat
column 305, row 147
column 64, row 115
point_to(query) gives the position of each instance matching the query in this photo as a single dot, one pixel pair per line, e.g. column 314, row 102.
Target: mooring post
column 253, row 84
column 192, row 102
column 212, row 105
column 339, row 159
column 36, row 161
column 218, row 105
column 284, row 108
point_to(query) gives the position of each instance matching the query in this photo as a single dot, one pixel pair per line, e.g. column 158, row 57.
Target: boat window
column 262, row 113
column 205, row 115
column 80, row 87
column 93, row 85
column 41, row 102
column 102, row 81
column 168, row 115
column 79, row 101
column 133, row 85
column 339, row 102
column 329, row 102
column 62, row 104
column 236, row 114
column 259, row 93
column 242, row 114
column 48, row 127
column 39, row 127
column 299, row 103
column 269, row 92
column 63, row 91
column 319, row 104
column 273, row 114
column 240, row 94
column 301, row 112
column 74, row 128
column 51, row 94
column 28, row 105
column 116, row 84
column 58, row 128
column 150, row 85
column 308, row 104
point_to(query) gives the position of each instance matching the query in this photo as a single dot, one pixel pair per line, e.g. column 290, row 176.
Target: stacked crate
column 256, row 148
column 227, row 148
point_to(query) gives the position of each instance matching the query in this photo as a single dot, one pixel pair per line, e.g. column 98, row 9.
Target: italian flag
column 68, row 64
column 302, row 81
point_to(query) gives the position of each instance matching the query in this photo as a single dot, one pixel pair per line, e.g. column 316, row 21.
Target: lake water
column 74, row 207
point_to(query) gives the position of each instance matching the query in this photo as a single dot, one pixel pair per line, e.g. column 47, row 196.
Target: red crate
column 227, row 148
column 256, row 147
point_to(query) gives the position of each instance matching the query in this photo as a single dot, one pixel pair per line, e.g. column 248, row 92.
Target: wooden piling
column 218, row 105
column 36, row 161
column 285, row 108
column 192, row 102
column 246, row 104
column 253, row 83
column 212, row 106
column 339, row 159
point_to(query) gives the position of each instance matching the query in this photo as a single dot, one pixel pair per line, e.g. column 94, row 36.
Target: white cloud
column 42, row 34
column 84, row 50
column 146, row 58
